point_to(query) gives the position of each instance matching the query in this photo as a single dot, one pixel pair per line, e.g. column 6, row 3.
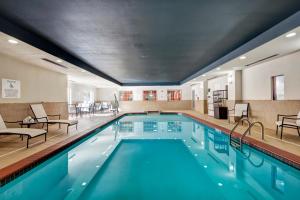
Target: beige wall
column 201, row 106
column 256, row 84
column 18, row 111
column 161, row 91
column 266, row 111
column 139, row 106
column 37, row 84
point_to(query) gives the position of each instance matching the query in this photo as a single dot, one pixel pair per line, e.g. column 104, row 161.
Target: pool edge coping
column 11, row 172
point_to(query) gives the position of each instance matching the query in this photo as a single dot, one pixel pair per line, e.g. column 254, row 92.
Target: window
column 88, row 96
column 150, row 95
column 278, row 87
column 126, row 95
column 174, row 95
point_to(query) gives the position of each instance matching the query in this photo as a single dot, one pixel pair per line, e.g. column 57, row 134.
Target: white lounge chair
column 240, row 110
column 29, row 132
column 41, row 117
column 288, row 121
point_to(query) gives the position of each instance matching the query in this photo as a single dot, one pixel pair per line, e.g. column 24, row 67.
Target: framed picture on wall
column 11, row 88
column 174, row 95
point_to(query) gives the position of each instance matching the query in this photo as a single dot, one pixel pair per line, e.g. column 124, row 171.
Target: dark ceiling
column 143, row 41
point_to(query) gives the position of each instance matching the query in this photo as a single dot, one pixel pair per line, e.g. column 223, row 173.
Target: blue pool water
column 156, row 157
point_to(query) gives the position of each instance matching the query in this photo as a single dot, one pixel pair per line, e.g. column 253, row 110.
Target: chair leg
column 47, row 127
column 281, row 132
column 59, row 125
column 298, row 129
column 76, row 127
column 68, row 129
column 45, row 137
column 27, row 141
column 276, row 130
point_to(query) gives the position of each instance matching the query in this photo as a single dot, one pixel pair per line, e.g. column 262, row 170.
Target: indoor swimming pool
column 159, row 156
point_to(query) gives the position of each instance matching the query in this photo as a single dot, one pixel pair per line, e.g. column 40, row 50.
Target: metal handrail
column 241, row 120
column 250, row 125
column 249, row 130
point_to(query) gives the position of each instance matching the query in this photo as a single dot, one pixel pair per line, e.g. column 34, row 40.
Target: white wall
column 256, row 81
column 161, row 91
column 106, row 94
column 200, row 90
column 37, row 84
column 218, row 83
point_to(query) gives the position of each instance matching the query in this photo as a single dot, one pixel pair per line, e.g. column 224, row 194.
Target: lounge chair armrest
column 41, row 118
column 15, row 122
column 293, row 118
column 280, row 115
column 57, row 115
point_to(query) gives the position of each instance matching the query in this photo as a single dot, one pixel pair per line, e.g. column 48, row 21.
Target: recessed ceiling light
column 12, row 41
column 59, row 60
column 290, row 34
column 220, row 184
column 203, row 75
column 219, row 68
column 243, row 57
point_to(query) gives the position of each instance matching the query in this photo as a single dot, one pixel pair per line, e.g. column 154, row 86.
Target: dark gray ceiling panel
column 144, row 42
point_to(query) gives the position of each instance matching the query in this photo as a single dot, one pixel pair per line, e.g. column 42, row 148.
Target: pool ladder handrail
column 250, row 125
column 236, row 125
column 249, row 130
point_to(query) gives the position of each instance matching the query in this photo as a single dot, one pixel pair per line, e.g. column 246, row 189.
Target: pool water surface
column 166, row 156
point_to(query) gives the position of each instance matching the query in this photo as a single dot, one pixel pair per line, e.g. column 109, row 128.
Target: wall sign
column 11, row 88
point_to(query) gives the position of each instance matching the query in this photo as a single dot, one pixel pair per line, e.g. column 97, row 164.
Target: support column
column 200, row 97
column 234, row 88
